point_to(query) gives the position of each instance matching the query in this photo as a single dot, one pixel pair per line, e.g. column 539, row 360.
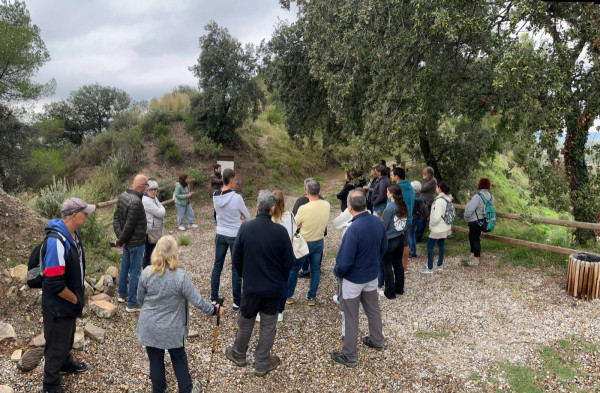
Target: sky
column 143, row 47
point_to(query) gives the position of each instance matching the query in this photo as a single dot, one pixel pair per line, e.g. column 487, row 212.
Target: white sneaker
column 258, row 317
column 439, row 269
column 336, row 299
column 121, row 300
column 280, row 317
column 426, row 270
column 380, row 292
column 193, row 226
column 181, row 228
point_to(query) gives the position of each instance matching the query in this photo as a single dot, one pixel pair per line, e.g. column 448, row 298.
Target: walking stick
column 214, row 346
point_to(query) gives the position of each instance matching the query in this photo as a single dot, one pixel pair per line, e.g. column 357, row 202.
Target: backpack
column 420, row 210
column 35, row 268
column 488, row 223
column 450, row 213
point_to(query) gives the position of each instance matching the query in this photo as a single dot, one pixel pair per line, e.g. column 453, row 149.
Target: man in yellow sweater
column 312, row 219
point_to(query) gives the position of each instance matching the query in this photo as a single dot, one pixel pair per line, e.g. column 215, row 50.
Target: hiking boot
column 341, row 359
column 134, row 308
column 426, row 270
column 229, row 355
column 274, row 362
column 235, row 307
column 290, row 300
column 369, row 343
column 311, row 302
column 75, row 368
column 304, row 274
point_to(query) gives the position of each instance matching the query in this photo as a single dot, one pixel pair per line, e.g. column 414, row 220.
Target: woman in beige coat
column 438, row 229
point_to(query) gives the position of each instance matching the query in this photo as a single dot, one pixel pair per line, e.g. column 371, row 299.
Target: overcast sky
column 141, row 46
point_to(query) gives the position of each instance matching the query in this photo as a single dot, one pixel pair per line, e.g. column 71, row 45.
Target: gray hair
column 358, row 200
column 429, row 170
column 313, row 187
column 265, row 201
column 306, row 182
column 416, row 185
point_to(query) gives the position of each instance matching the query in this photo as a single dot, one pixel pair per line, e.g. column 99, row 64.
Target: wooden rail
column 168, row 201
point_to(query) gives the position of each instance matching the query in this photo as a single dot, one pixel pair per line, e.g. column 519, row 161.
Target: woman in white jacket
column 155, row 212
column 438, row 229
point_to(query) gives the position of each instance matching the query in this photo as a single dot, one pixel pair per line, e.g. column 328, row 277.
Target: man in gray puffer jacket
column 129, row 223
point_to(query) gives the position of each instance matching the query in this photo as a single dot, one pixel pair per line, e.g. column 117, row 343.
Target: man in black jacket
column 263, row 257
column 62, row 291
column 129, row 223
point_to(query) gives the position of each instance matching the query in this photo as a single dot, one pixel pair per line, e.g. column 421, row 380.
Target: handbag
column 154, row 235
column 299, row 245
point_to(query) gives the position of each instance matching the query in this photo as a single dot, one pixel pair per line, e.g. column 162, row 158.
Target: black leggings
column 393, row 268
column 180, row 366
column 475, row 238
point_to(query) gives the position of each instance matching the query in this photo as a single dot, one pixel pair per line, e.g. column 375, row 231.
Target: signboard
column 226, row 162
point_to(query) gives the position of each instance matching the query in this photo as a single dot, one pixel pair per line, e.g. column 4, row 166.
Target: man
column 129, row 223
column 303, row 200
column 263, row 256
column 428, row 192
column 408, row 194
column 63, row 291
column 312, row 220
column 216, row 183
column 231, row 210
column 363, row 245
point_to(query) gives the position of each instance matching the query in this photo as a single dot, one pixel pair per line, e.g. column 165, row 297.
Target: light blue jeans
column 315, row 253
column 186, row 211
column 131, row 263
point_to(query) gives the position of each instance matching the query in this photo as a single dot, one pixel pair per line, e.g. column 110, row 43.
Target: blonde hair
column 279, row 206
column 164, row 255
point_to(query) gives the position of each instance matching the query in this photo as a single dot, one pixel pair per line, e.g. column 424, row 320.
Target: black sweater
column 263, row 257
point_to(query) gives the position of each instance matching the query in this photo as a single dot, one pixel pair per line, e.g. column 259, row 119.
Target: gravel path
column 446, row 328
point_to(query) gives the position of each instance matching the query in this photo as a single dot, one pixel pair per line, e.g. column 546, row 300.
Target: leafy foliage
column 12, row 136
column 206, row 148
column 42, row 165
column 51, row 198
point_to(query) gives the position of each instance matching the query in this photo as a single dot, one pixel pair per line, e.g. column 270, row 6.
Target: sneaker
column 181, row 228
column 193, row 226
column 426, row 270
column 411, row 256
column 121, row 299
column 275, row 361
column 134, row 308
column 290, row 300
column 439, row 268
column 257, row 317
column 369, row 343
column 380, row 292
column 229, row 355
column 76, row 368
column 197, row 388
column 336, row 299
column 235, row 307
column 213, row 302
column 341, row 359
column 473, row 262
column 311, row 302
column 280, row 317
column 468, row 259
column 304, row 274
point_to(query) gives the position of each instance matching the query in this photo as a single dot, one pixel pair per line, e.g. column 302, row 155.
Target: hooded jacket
column 437, row 225
column 229, row 207
column 155, row 212
column 408, row 194
column 63, row 268
column 129, row 220
column 475, row 209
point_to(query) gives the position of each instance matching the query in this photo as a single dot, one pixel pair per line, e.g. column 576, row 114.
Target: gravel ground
column 445, row 329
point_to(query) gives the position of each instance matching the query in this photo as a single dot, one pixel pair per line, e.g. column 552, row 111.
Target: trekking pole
column 214, row 346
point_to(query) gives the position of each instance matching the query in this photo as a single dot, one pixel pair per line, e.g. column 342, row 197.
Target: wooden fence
column 167, row 202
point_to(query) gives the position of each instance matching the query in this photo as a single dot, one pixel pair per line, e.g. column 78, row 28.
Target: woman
column 438, row 229
column 164, row 291
column 420, row 212
column 379, row 196
column 475, row 217
column 343, row 195
column 394, row 221
column 155, row 212
column 182, row 202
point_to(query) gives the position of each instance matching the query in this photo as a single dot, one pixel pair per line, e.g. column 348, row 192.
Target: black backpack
column 420, row 210
column 35, row 267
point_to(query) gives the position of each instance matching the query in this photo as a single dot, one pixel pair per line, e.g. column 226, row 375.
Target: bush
column 160, row 129
column 165, row 142
column 207, row 148
column 51, row 198
column 173, row 154
column 125, row 143
column 108, row 181
column 42, row 165
column 155, row 116
column 125, row 120
column 275, row 116
column 183, row 240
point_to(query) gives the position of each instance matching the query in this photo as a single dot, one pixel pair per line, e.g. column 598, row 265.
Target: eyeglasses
column 153, row 189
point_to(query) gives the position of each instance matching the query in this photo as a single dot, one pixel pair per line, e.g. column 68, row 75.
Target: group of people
column 373, row 256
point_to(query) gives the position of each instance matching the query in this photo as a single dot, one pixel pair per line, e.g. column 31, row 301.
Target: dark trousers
column 59, row 333
column 180, row 366
column 475, row 238
column 394, row 270
column 149, row 247
column 421, row 225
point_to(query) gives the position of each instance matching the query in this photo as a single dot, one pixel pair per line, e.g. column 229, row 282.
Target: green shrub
column 125, row 120
column 51, row 198
column 183, row 240
column 109, row 180
column 160, row 129
column 42, row 165
column 207, row 148
column 165, row 142
column 159, row 115
column 275, row 116
column 173, row 154
column 197, row 174
column 124, row 143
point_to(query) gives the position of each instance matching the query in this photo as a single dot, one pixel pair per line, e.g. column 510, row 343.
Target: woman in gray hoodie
column 164, row 291
column 475, row 217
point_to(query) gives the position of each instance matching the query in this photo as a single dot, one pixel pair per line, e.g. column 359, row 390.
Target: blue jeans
column 412, row 235
column 186, row 211
column 430, row 246
column 315, row 253
column 421, row 224
column 222, row 243
column 131, row 263
column 379, row 208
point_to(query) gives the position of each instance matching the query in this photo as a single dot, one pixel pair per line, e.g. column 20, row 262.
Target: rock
column 88, row 289
column 38, row 341
column 79, row 338
column 38, row 300
column 193, row 333
column 99, row 284
column 109, row 285
column 30, row 359
column 16, row 355
column 6, row 389
column 113, row 272
column 19, row 272
column 6, row 273
column 103, row 309
column 6, row 332
column 11, row 290
column 100, row 297
column 92, row 281
column 94, row 332
column 108, row 280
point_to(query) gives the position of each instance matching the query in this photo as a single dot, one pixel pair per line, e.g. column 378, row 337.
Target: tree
column 22, row 53
column 12, row 137
column 89, row 110
column 229, row 92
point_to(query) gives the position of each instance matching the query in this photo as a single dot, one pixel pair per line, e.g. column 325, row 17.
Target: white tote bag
column 298, row 243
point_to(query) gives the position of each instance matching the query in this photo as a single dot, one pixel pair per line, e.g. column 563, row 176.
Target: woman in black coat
column 343, row 195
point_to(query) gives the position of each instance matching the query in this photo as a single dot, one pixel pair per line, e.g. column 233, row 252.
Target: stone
column 193, row 333
column 6, row 389
column 38, row 300
column 6, row 273
column 92, row 281
column 79, row 338
column 113, row 271
column 19, row 272
column 6, row 332
column 109, row 285
column 16, row 355
column 108, row 280
column 11, row 290
column 99, row 284
column 88, row 290
column 30, row 359
column 100, row 297
column 103, row 309
column 94, row 332
column 38, row 341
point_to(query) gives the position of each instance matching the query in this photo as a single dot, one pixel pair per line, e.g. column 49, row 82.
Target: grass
column 424, row 334
column 184, row 240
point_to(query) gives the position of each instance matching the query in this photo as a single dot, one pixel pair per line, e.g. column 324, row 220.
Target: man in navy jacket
column 356, row 266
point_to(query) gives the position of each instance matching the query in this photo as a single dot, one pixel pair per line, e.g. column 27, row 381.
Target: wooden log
column 101, row 205
column 583, row 277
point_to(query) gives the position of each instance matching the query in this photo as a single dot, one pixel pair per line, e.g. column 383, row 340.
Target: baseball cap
column 76, row 205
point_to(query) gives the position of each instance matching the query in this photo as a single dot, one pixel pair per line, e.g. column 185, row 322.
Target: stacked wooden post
column 583, row 277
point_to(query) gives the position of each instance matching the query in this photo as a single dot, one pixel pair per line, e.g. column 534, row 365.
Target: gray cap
column 76, row 205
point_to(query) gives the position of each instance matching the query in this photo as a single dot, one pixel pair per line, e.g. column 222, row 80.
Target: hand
column 220, row 309
column 242, row 217
column 365, row 187
column 188, row 194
